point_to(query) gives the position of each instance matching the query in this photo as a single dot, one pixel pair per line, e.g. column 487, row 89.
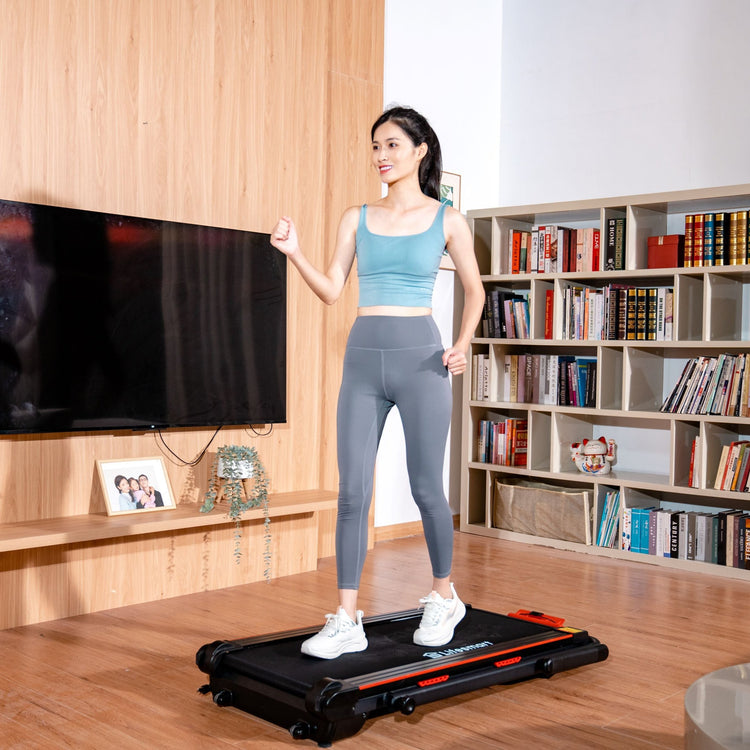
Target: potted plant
column 237, row 476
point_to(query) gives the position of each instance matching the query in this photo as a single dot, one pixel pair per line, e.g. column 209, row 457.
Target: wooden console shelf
column 97, row 526
column 60, row 567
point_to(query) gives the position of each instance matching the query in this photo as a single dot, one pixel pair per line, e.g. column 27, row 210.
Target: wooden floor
column 126, row 678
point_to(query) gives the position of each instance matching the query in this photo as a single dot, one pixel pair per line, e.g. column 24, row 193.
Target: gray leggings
column 389, row 361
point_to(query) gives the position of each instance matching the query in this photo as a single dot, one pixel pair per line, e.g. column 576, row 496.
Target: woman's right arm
column 327, row 285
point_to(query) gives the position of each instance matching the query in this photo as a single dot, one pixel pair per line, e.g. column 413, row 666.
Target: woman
column 394, row 357
column 125, row 500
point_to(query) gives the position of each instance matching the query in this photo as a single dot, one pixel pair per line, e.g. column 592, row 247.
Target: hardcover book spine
column 721, row 239
column 620, row 243
column 733, row 240
column 689, row 234
column 549, row 299
column 708, row 239
column 641, row 316
column 609, row 263
column 631, row 314
column 698, row 240
column 742, row 244
column 651, row 310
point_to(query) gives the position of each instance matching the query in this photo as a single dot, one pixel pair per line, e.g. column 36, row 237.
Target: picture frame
column 450, row 189
column 450, row 193
column 152, row 494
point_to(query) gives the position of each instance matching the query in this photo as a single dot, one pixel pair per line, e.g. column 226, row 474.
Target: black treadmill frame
column 332, row 709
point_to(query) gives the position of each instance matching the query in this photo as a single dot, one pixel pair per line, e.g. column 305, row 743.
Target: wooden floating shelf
column 96, row 526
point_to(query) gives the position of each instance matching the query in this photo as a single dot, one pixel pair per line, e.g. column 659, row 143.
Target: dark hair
column 419, row 131
column 119, row 479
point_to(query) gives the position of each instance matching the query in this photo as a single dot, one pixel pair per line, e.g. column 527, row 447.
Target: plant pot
column 235, row 469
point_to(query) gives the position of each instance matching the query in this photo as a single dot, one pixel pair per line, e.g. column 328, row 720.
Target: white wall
column 597, row 98
column 618, row 97
column 443, row 59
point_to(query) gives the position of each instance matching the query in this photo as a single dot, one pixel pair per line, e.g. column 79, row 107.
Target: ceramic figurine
column 594, row 456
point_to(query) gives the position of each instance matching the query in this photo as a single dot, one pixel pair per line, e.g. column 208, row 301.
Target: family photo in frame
column 135, row 485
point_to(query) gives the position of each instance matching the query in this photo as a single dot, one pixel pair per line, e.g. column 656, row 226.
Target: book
column 506, row 384
column 682, row 535
column 674, row 533
column 620, row 243
column 515, row 250
column 625, row 542
column 596, row 256
column 742, row 243
column 663, row 525
column 697, row 240
column 549, row 299
column 636, row 529
column 725, row 529
column 693, row 472
column 610, row 520
column 609, row 255
column 721, row 238
column 631, row 314
column 688, row 251
column 652, row 297
column 721, row 469
column 708, row 239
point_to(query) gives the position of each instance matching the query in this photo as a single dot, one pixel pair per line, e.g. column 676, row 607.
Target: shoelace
column 334, row 624
column 433, row 610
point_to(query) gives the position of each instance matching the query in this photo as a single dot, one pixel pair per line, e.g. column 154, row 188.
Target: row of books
column 503, row 441
column 712, row 385
column 721, row 538
column 716, row 239
column 551, row 379
column 506, row 315
column 610, row 522
column 734, row 467
column 556, row 249
column 617, row 312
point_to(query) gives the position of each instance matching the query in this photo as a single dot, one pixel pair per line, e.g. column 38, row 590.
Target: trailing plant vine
column 245, row 486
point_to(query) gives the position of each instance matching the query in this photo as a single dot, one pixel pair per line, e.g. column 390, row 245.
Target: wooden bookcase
column 711, row 315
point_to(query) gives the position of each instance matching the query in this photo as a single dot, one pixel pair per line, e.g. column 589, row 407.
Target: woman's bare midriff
column 394, row 310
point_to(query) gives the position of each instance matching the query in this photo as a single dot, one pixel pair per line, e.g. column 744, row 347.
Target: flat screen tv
column 114, row 322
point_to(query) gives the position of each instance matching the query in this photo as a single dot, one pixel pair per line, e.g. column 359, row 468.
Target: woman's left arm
column 460, row 246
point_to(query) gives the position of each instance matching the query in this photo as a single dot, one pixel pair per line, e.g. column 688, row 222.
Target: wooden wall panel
column 354, row 102
column 52, row 582
column 225, row 112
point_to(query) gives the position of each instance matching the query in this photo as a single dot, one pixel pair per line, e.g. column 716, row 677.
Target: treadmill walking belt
column 326, row 700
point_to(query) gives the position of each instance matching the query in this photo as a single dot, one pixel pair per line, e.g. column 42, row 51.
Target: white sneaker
column 340, row 635
column 439, row 619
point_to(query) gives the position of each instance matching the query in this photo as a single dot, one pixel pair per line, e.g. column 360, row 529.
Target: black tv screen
column 114, row 322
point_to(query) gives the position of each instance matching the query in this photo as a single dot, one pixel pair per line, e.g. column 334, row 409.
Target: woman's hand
column 284, row 236
column 455, row 360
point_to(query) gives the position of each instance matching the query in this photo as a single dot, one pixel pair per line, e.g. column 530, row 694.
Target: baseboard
column 402, row 530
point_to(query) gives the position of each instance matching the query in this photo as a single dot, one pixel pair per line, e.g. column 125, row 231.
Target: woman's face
column 134, row 485
column 123, row 486
column 394, row 155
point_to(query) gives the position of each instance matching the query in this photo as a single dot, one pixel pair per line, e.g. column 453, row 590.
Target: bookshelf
column 656, row 465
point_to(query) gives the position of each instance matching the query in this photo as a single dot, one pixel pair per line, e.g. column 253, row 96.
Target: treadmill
column 325, row 700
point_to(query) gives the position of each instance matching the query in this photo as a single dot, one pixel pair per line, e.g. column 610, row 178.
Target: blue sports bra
column 398, row 270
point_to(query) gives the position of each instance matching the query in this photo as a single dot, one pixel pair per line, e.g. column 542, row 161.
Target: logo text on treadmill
column 456, row 651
